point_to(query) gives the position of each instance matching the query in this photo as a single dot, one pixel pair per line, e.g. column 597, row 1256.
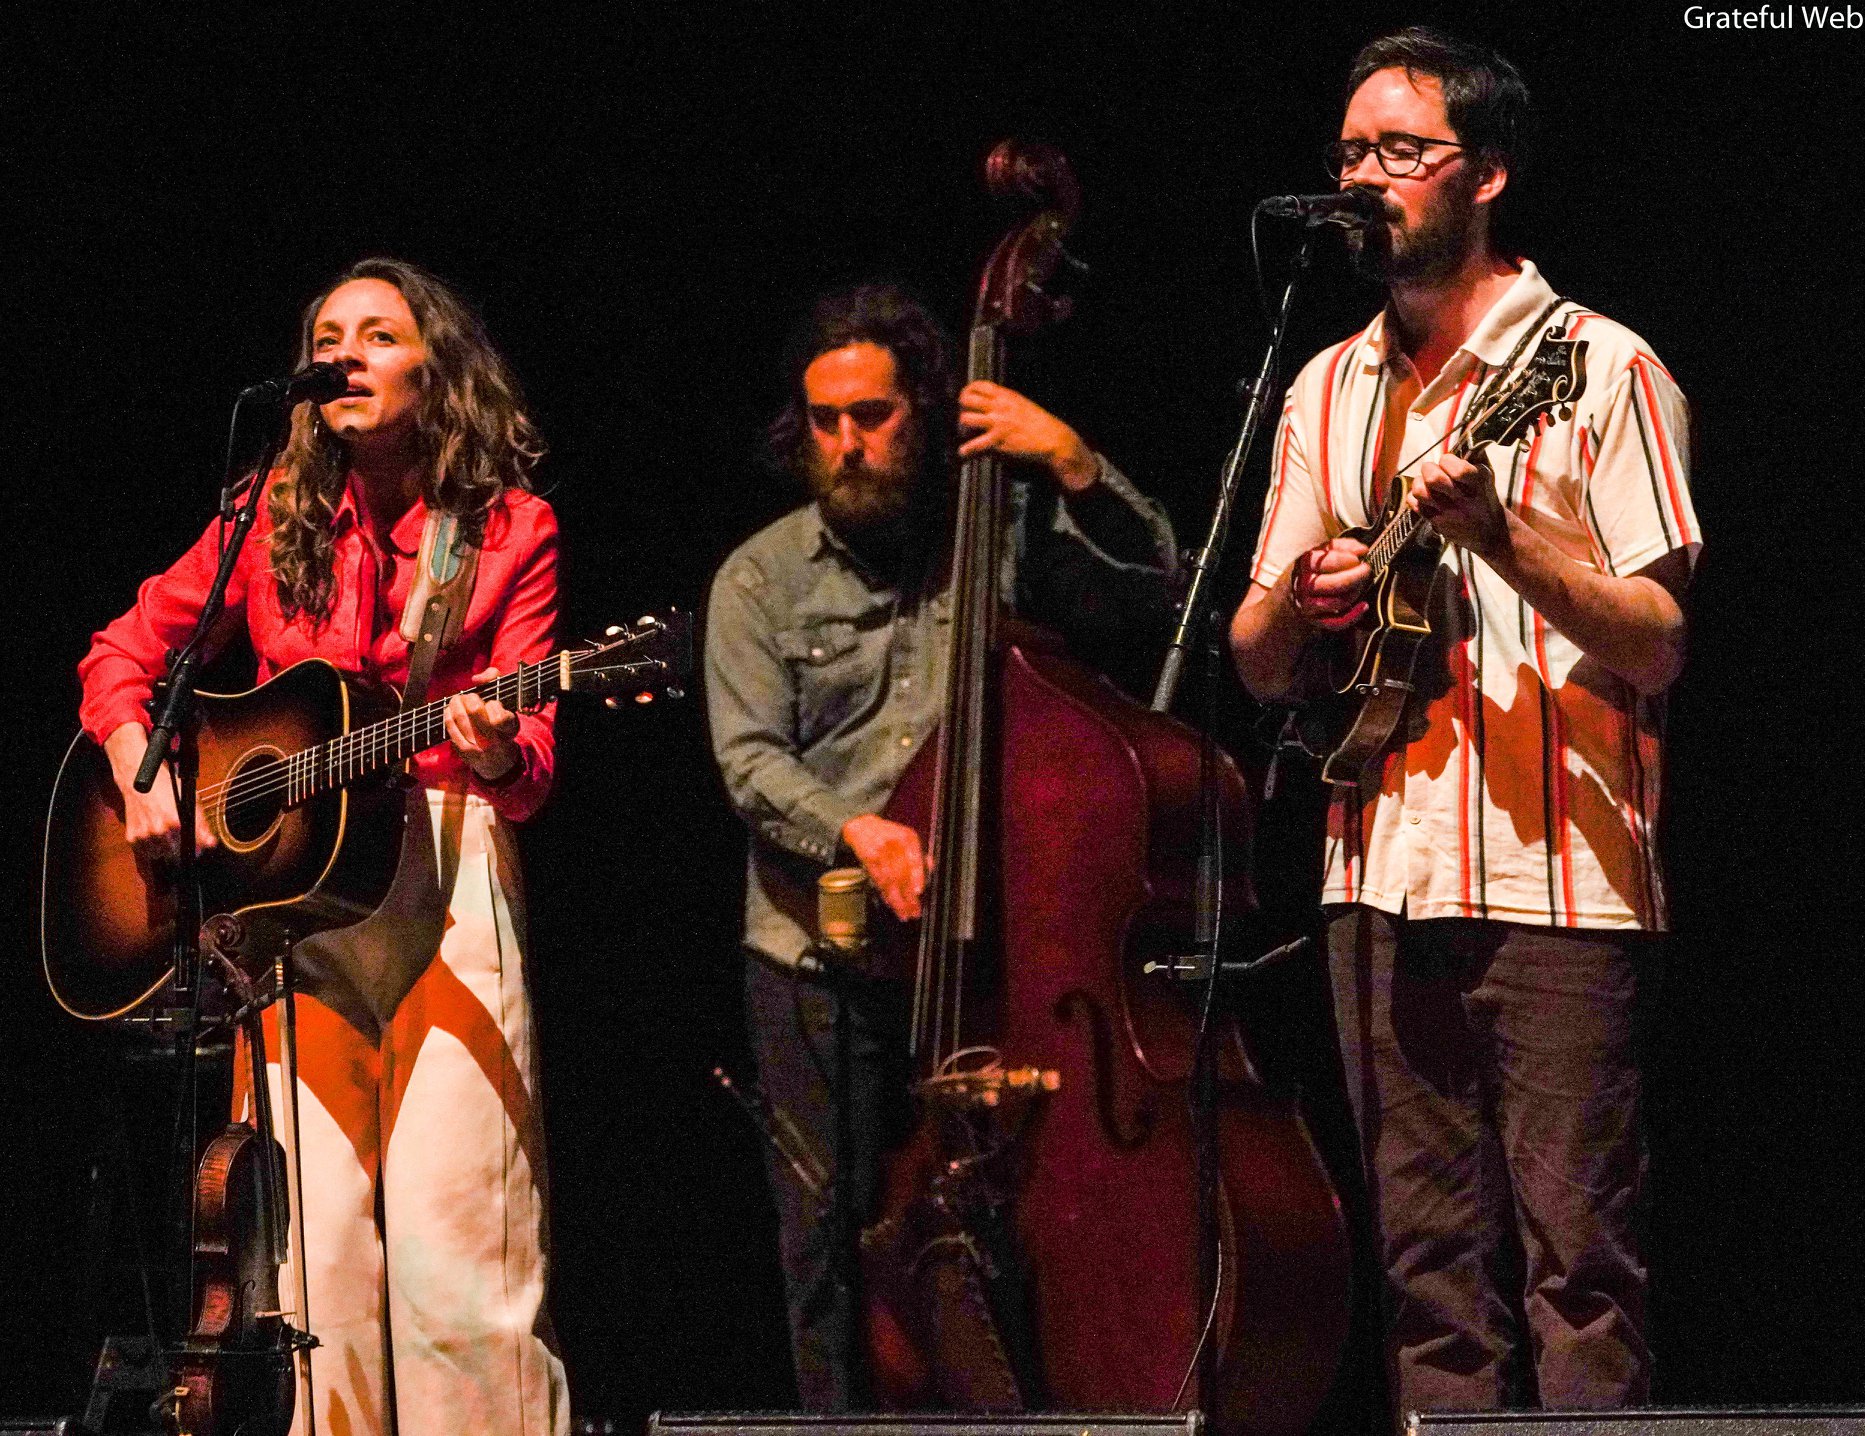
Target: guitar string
column 365, row 748
column 358, row 746
column 1390, row 540
column 352, row 754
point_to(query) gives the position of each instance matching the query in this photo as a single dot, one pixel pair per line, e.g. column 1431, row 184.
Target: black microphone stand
column 1198, row 624
column 1195, row 612
column 175, row 711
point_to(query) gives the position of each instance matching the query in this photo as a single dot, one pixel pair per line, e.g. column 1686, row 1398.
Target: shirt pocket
column 834, row 678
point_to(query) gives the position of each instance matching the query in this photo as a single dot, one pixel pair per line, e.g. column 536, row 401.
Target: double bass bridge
column 989, row 1084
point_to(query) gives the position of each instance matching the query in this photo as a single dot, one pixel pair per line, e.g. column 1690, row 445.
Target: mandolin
column 292, row 785
column 1365, row 674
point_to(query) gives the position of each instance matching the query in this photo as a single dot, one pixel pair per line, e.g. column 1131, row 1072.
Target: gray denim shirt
column 822, row 679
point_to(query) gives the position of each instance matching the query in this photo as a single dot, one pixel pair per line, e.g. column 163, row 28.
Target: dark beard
column 1431, row 252
column 885, row 514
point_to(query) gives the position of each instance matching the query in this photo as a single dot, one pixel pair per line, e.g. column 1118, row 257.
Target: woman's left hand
column 481, row 732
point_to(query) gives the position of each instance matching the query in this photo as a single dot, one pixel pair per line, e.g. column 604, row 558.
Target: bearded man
column 826, row 654
column 1491, row 884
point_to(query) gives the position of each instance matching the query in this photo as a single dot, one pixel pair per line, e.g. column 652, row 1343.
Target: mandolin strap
column 1501, row 375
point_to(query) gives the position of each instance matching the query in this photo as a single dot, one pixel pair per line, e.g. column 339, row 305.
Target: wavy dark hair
column 887, row 315
column 1485, row 97
column 475, row 438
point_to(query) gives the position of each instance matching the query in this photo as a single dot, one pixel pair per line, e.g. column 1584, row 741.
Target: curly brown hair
column 476, row 440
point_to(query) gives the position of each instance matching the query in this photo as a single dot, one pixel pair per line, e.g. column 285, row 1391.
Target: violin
column 239, row 1368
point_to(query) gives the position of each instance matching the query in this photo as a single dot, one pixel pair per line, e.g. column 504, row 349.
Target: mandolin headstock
column 1549, row 384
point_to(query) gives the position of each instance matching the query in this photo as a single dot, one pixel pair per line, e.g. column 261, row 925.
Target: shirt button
column 815, row 653
column 906, row 682
column 905, row 741
column 1411, row 818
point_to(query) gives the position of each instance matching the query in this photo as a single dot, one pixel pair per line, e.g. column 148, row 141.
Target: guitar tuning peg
column 612, row 630
column 644, row 698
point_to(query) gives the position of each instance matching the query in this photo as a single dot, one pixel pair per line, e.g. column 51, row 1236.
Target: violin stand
column 140, row 1387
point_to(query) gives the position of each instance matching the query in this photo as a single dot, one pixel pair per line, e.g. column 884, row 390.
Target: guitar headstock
column 1554, row 377
column 651, row 656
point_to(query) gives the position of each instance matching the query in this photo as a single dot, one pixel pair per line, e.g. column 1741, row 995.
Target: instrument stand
column 183, row 1011
column 137, row 1374
column 1198, row 625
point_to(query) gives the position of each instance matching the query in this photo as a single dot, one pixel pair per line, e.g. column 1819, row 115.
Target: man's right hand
column 891, row 855
column 149, row 819
column 1326, row 584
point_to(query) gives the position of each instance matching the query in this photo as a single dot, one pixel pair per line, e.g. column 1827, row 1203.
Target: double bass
column 1037, row 1242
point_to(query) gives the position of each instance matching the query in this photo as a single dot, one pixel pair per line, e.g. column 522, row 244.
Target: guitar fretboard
column 394, row 740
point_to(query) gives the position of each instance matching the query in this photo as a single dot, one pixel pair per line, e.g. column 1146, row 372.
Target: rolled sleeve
column 1293, row 521
column 526, row 633
column 118, row 673
column 751, row 706
column 1118, row 524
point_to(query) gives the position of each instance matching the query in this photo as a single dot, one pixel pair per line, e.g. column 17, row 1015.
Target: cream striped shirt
column 1527, row 789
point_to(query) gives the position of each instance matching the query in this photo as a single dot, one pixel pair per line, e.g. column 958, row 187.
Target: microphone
column 841, row 944
column 1353, row 208
column 320, row 383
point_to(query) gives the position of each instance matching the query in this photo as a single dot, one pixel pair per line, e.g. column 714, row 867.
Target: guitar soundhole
column 253, row 798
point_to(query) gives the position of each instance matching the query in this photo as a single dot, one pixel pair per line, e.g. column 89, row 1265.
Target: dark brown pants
column 1494, row 1076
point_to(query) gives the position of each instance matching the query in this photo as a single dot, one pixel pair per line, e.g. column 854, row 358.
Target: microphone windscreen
column 842, row 908
column 321, row 382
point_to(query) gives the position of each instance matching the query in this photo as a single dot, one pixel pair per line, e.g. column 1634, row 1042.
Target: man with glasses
column 1490, row 883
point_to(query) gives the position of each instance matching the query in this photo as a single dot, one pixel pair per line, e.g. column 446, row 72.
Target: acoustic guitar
column 1365, row 675
column 302, row 798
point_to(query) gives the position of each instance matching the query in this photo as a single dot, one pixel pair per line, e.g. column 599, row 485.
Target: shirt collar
column 404, row 535
column 1494, row 337
column 1521, row 304
column 827, row 544
column 345, row 516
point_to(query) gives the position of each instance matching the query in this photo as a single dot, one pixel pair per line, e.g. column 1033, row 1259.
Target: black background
column 641, row 198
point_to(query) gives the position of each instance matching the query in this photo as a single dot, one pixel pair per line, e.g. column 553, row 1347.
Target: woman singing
column 420, row 1135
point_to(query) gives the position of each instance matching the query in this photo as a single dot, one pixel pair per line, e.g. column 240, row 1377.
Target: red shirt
column 512, row 617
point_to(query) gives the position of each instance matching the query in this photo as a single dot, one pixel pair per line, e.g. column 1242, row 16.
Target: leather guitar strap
column 437, row 599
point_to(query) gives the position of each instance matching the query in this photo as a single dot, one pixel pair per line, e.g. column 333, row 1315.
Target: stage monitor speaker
column 1774, row 1421
column 1061, row 1423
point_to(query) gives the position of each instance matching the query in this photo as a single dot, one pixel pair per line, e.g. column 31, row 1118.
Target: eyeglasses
column 1399, row 155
